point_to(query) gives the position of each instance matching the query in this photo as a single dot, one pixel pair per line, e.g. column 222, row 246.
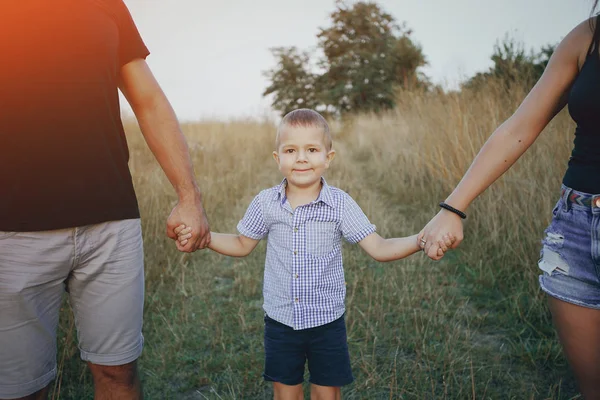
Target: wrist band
column 454, row 210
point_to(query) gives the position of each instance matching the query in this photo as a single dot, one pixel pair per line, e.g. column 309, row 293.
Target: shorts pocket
column 320, row 238
column 552, row 262
column 6, row 235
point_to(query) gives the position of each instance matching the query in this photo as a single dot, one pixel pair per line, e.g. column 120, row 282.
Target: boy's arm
column 396, row 248
column 389, row 249
column 224, row 243
column 232, row 245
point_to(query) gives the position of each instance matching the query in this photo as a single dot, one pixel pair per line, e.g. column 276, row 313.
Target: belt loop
column 566, row 200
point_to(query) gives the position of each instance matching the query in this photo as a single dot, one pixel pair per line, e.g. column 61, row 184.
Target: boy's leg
column 106, row 291
column 33, row 267
column 329, row 360
column 287, row 392
column 285, row 356
column 325, row 392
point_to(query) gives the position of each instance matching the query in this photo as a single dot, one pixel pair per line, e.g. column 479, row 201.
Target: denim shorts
column 570, row 255
column 325, row 348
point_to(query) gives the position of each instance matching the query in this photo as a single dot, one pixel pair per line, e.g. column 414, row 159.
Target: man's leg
column 116, row 382
column 33, row 267
column 107, row 295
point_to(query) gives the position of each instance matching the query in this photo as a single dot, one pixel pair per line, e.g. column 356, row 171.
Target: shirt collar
column 325, row 194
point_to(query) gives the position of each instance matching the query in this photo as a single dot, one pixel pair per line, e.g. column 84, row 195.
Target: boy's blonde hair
column 305, row 117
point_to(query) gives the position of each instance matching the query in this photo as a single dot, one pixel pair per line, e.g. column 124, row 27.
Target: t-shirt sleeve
column 253, row 224
column 131, row 45
column 355, row 224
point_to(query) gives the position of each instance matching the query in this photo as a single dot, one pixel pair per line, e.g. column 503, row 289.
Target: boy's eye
column 289, row 150
column 313, row 150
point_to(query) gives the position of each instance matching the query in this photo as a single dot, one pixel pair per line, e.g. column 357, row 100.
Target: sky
column 209, row 56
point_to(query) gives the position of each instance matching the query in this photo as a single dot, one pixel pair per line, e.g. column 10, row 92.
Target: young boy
column 304, row 220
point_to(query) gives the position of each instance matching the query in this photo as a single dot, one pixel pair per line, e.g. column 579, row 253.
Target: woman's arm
column 513, row 137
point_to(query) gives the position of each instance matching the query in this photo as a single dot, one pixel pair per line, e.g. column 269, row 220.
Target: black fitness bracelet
column 454, row 210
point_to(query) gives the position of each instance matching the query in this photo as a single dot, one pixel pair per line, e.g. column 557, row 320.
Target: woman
column 571, row 253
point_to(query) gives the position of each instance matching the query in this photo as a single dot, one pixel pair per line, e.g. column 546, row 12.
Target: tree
column 367, row 57
column 513, row 65
column 292, row 83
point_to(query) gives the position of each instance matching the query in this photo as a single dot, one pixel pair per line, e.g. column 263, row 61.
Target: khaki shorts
column 101, row 266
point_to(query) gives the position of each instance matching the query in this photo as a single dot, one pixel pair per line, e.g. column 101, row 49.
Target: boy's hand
column 443, row 245
column 183, row 234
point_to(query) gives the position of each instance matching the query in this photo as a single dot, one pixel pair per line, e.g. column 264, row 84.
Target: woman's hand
column 435, row 234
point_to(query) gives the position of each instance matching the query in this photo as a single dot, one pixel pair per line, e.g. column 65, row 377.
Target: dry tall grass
column 472, row 326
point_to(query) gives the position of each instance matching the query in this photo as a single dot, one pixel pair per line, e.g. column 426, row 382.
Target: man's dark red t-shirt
column 63, row 152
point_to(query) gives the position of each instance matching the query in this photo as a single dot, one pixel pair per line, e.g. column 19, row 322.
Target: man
column 68, row 213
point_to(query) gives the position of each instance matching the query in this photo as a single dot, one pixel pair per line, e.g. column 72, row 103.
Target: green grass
column 472, row 326
column 415, row 330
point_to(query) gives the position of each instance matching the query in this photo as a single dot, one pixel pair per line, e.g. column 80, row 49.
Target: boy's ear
column 276, row 157
column 330, row 156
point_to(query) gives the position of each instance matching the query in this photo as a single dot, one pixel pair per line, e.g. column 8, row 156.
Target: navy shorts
column 325, row 347
column 570, row 256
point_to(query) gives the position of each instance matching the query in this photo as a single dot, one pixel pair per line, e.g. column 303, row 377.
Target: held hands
column 442, row 245
column 192, row 212
column 433, row 238
column 184, row 234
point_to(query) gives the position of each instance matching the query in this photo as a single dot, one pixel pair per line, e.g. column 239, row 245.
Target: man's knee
column 121, row 375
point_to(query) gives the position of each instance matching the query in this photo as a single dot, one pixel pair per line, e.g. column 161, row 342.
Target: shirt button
column 598, row 202
column 296, row 299
column 295, row 252
column 296, row 228
column 297, row 276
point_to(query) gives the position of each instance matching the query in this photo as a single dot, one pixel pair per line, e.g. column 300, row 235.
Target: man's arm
column 161, row 130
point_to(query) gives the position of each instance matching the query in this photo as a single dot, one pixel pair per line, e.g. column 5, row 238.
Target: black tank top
column 583, row 173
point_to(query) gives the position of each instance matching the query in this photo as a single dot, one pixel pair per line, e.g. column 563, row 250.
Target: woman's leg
column 579, row 332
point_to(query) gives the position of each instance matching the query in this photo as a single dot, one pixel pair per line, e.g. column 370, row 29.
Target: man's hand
column 191, row 214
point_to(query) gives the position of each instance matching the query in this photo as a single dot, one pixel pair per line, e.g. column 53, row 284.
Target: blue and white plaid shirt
column 304, row 283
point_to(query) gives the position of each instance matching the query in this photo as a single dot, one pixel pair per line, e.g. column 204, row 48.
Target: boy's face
column 302, row 155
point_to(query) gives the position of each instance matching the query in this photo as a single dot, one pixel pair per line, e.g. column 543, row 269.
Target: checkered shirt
column 304, row 283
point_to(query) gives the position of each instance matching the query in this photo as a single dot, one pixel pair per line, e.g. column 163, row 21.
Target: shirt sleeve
column 131, row 45
column 253, row 224
column 355, row 224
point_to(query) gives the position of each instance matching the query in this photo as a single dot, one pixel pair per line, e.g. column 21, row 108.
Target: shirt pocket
column 320, row 238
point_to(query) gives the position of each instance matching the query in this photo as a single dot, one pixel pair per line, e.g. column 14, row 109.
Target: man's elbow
column 148, row 104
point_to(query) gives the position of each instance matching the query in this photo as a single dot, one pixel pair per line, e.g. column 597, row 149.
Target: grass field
column 472, row 326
